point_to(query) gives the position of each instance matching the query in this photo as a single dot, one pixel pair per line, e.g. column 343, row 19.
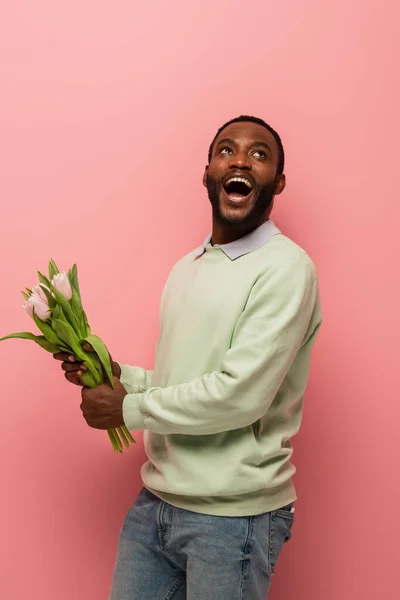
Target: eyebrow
column 233, row 143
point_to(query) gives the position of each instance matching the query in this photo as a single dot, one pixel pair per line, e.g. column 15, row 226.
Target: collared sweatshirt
column 232, row 361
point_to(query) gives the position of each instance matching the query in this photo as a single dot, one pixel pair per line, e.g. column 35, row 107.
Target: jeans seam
column 270, row 536
column 285, row 515
column 175, row 587
column 164, row 531
column 246, row 553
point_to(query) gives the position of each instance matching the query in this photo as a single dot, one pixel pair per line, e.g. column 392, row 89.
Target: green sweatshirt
column 237, row 324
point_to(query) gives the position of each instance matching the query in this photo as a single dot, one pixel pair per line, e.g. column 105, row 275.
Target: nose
column 240, row 160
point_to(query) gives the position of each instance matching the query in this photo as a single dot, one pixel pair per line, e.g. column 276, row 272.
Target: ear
column 280, row 184
column 205, row 176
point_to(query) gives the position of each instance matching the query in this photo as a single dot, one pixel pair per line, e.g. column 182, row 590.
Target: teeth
column 241, row 179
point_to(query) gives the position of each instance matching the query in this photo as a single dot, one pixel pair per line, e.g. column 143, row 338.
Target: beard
column 263, row 198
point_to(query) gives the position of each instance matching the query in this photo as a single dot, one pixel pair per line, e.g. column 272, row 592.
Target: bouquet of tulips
column 56, row 307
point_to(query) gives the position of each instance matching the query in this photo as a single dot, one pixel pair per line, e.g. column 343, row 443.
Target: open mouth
column 238, row 188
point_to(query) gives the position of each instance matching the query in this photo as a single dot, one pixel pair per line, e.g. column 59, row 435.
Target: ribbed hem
column 244, row 505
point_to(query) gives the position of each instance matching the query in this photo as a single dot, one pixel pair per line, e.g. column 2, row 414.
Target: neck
column 222, row 234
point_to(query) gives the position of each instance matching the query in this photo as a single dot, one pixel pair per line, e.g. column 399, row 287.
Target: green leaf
column 50, row 298
column 88, row 379
column 47, row 330
column 87, row 327
column 56, row 269
column 77, row 301
column 44, row 279
column 77, row 310
column 66, row 333
column 101, row 350
column 93, row 360
column 56, row 311
column 64, row 348
column 74, row 281
column 26, row 296
column 39, row 339
column 53, row 269
column 66, row 307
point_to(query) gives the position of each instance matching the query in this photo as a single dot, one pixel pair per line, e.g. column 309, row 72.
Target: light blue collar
column 246, row 244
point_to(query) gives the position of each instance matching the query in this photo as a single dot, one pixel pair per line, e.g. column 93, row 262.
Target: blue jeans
column 167, row 553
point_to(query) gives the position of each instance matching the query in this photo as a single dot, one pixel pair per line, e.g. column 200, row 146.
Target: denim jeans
column 167, row 553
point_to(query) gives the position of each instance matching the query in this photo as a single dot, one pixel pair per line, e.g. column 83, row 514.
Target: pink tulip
column 62, row 284
column 38, row 291
column 35, row 301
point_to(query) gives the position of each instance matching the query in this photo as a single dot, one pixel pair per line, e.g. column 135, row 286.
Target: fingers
column 73, row 377
column 73, row 367
column 73, row 372
column 64, row 356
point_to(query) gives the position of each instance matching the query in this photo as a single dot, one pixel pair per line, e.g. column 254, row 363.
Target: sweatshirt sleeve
column 266, row 339
column 135, row 379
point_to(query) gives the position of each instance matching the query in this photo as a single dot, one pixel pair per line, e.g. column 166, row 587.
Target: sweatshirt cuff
column 128, row 378
column 132, row 415
column 132, row 378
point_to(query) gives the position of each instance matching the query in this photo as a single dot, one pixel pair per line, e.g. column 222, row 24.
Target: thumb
column 87, row 347
column 85, row 393
column 118, row 384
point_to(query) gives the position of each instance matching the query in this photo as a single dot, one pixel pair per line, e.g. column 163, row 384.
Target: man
column 238, row 319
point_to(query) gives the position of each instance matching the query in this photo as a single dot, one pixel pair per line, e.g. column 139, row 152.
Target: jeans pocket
column 281, row 523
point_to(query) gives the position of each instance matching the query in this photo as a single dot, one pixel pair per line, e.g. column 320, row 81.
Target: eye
column 260, row 153
column 225, row 150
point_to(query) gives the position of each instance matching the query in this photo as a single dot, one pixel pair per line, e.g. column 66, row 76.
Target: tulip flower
column 37, row 301
column 56, row 306
column 62, row 284
column 38, row 290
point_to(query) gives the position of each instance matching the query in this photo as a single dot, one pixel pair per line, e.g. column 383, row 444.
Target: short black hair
column 248, row 118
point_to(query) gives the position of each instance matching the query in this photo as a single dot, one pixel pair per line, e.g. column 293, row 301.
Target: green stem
column 120, row 446
column 113, row 441
column 128, row 434
column 123, row 437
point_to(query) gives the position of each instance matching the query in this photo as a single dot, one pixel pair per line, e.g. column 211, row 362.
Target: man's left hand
column 102, row 406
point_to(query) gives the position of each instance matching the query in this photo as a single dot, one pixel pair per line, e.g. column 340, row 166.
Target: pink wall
column 106, row 114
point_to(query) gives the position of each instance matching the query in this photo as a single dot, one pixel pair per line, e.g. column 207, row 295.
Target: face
column 241, row 179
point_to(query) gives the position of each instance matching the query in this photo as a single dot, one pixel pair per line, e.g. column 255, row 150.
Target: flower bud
column 38, row 290
column 62, row 285
column 41, row 307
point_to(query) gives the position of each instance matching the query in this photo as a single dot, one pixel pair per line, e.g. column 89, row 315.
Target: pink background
column 107, row 110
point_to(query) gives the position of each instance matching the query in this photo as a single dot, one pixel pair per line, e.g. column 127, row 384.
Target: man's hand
column 74, row 369
column 102, row 406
